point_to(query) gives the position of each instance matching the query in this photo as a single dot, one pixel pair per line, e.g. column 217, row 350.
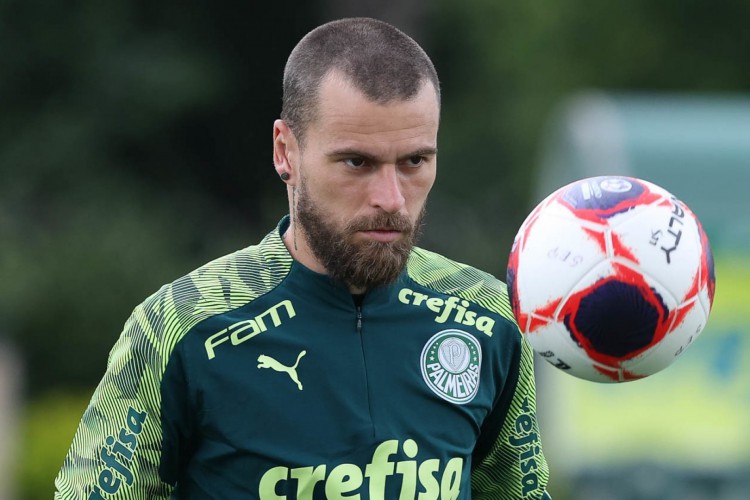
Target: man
column 334, row 359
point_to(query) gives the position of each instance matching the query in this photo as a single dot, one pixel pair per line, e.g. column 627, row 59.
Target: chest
column 310, row 386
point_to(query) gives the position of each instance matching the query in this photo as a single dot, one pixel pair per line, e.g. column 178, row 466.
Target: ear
column 285, row 151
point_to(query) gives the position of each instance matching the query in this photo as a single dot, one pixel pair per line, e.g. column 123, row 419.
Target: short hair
column 380, row 60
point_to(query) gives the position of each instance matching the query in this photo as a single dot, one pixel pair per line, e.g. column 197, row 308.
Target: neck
column 296, row 243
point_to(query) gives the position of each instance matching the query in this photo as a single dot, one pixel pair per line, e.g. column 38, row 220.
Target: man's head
column 381, row 61
column 369, row 114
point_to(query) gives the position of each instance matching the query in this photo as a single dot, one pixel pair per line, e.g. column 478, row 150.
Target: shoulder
column 215, row 288
column 235, row 279
column 441, row 274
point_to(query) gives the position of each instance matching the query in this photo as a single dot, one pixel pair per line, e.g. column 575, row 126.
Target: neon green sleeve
column 514, row 466
column 117, row 448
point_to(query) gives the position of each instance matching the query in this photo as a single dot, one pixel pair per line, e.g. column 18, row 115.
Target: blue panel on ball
column 616, row 319
column 602, row 193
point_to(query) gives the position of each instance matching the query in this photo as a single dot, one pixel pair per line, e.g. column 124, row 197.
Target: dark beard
column 360, row 265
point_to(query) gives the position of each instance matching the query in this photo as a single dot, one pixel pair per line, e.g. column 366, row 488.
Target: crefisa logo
column 450, row 363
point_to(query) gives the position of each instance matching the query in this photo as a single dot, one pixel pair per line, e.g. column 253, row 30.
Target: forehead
column 345, row 114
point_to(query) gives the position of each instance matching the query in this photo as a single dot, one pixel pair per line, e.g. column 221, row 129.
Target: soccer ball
column 611, row 278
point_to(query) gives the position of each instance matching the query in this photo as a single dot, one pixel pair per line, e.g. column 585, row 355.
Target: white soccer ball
column 611, row 278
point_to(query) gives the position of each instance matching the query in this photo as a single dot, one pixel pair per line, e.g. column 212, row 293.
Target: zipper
column 359, row 320
column 358, row 304
column 358, row 299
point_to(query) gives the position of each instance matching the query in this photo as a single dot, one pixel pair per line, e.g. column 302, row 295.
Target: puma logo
column 268, row 362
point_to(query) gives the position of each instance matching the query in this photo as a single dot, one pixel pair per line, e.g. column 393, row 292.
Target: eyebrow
column 338, row 153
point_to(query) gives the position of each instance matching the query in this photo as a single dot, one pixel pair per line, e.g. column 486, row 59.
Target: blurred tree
column 505, row 65
column 134, row 146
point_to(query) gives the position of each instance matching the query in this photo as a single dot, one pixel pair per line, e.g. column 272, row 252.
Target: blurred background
column 135, row 145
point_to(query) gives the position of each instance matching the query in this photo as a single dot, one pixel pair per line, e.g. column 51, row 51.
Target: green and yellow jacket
column 255, row 377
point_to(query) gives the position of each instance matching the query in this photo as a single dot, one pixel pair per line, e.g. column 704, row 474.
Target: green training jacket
column 255, row 377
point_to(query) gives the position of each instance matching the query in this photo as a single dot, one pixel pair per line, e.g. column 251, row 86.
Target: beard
column 364, row 264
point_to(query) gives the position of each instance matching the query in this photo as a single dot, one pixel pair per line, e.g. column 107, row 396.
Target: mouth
column 385, row 235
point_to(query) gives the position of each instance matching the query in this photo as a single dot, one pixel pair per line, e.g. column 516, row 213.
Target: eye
column 355, row 162
column 415, row 161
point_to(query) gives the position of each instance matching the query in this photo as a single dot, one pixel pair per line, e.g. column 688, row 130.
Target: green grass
column 48, row 424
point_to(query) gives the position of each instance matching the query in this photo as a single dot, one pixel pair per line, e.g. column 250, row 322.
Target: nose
column 386, row 191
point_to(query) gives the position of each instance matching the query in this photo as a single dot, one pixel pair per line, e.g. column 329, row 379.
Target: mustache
column 392, row 222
